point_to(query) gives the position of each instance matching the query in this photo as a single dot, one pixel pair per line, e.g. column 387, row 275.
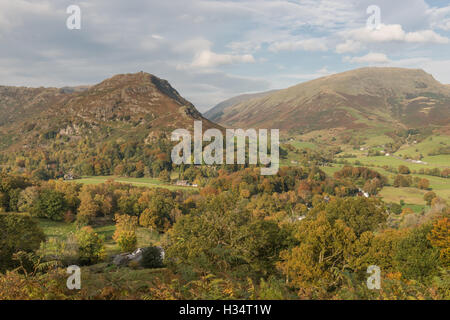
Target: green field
column 424, row 147
column 375, row 140
column 409, row 195
column 433, row 162
column 303, row 145
column 138, row 182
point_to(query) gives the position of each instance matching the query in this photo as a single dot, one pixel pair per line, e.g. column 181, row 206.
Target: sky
column 211, row 50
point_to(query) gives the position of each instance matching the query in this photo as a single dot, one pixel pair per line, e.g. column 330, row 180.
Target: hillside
column 65, row 127
column 358, row 99
column 217, row 111
column 17, row 103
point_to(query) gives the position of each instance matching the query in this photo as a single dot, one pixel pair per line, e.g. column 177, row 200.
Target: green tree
column 326, row 250
column 88, row 209
column 51, row 205
column 157, row 215
column 360, row 214
column 151, row 258
column 18, row 233
column 222, row 236
column 91, row 247
column 416, row 257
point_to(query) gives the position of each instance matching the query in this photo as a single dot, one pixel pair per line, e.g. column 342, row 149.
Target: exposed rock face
column 141, row 105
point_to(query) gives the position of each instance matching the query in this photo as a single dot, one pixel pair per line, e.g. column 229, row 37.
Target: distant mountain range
column 140, row 107
column 358, row 99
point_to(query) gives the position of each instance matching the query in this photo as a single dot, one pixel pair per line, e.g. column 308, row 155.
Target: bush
column 151, row 258
column 429, row 196
column 127, row 241
column 18, row 233
column 403, row 170
column 423, row 184
column 90, row 246
column 125, row 234
column 396, row 208
column 402, row 181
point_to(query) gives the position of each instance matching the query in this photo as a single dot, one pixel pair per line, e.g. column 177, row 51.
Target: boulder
column 136, row 255
column 124, row 259
column 121, row 260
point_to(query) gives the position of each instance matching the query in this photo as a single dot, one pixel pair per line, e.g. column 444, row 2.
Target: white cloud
column 351, row 46
column 244, row 46
column 425, row 36
column 187, row 42
column 394, row 32
column 204, row 57
column 440, row 18
column 209, row 59
column 314, row 44
column 193, row 45
column 370, row 58
column 437, row 68
column 15, row 13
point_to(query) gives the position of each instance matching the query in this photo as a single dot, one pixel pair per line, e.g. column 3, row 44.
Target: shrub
column 402, row 181
column 403, row 170
column 125, row 234
column 127, row 241
column 90, row 246
column 423, row 184
column 164, row 176
column 396, row 208
column 429, row 196
column 151, row 258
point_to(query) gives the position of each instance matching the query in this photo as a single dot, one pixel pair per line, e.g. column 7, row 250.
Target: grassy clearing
column 409, row 195
column 424, row 147
column 416, row 208
column 61, row 230
column 441, row 161
column 54, row 229
column 138, row 182
column 303, row 145
column 331, row 170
